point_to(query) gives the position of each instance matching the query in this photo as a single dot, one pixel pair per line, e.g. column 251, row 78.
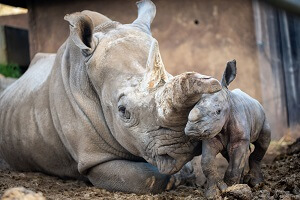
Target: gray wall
column 195, row 35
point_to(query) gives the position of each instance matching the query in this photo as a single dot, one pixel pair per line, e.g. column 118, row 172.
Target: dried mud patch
column 282, row 181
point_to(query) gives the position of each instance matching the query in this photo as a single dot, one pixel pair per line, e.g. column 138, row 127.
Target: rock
column 238, row 191
column 21, row 193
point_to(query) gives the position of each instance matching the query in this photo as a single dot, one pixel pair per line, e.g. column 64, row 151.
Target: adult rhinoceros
column 101, row 107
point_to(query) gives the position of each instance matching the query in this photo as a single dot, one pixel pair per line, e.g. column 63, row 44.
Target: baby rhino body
column 227, row 122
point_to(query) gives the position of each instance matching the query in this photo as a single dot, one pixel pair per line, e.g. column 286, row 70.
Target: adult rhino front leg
column 128, row 176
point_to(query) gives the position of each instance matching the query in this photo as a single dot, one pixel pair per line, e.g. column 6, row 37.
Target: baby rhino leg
column 210, row 148
column 237, row 158
column 255, row 176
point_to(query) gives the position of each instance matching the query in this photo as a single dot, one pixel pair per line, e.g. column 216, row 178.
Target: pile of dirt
column 282, row 177
column 282, row 181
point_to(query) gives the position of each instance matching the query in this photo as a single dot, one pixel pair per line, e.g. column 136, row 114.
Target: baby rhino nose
column 194, row 115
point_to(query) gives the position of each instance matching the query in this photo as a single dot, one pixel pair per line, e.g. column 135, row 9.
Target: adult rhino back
column 5, row 82
column 27, row 132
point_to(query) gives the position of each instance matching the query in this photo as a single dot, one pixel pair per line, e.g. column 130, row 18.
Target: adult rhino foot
column 175, row 181
column 186, row 176
column 172, row 183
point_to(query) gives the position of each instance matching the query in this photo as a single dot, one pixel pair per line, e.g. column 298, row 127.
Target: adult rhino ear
column 229, row 73
column 97, row 18
column 146, row 14
column 81, row 31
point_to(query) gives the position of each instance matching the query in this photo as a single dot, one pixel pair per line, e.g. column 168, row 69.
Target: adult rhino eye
column 124, row 113
column 122, row 109
column 218, row 112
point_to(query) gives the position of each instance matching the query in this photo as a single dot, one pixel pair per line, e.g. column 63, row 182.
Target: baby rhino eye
column 218, row 112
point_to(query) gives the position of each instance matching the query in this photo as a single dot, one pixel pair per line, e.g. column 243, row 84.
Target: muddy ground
column 281, row 171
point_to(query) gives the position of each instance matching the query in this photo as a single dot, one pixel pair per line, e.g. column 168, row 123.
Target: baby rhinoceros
column 227, row 121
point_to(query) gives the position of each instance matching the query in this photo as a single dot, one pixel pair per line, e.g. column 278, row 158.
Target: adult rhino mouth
column 169, row 150
column 166, row 164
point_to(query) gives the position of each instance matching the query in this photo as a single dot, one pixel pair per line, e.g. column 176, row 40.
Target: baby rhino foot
column 253, row 178
column 215, row 190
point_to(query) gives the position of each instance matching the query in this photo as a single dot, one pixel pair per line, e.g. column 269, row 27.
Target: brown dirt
column 282, row 176
column 282, row 181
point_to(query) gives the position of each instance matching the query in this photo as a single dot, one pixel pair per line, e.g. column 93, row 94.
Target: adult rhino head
column 113, row 106
column 144, row 107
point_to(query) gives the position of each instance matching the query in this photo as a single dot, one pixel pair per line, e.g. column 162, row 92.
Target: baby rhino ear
column 229, row 73
column 81, row 31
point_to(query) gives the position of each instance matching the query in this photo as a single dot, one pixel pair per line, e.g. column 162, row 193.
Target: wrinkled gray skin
column 103, row 108
column 227, row 121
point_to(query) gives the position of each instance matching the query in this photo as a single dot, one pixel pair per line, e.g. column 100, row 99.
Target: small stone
column 238, row 191
column 21, row 193
column 87, row 195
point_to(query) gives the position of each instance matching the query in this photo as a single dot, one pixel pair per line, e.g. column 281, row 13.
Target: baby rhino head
column 210, row 114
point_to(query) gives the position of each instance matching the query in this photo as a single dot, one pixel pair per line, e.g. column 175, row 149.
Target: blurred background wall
column 198, row 35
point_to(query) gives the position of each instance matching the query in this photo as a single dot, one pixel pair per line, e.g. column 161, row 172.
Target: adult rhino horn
column 178, row 96
column 156, row 72
column 146, row 14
